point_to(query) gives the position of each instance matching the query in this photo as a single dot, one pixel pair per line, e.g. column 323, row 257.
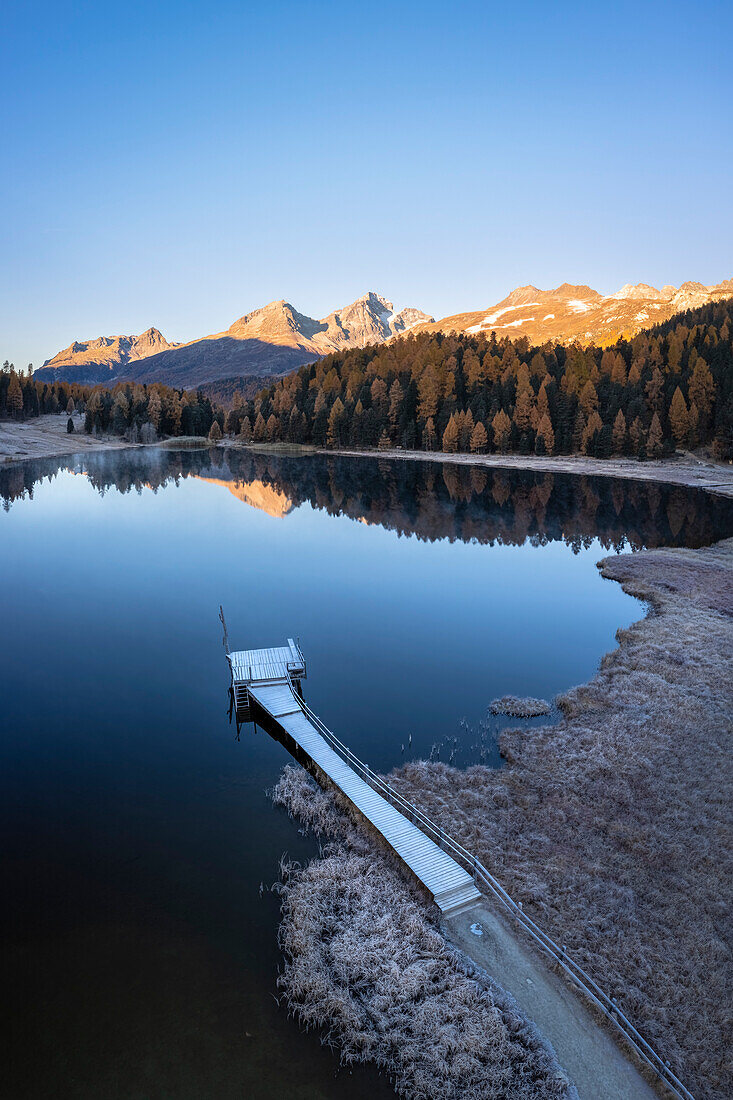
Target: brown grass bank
column 366, row 963
column 613, row 827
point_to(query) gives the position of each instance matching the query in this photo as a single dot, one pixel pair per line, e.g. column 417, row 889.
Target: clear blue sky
column 178, row 164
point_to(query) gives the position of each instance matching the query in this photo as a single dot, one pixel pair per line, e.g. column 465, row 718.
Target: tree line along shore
column 669, row 387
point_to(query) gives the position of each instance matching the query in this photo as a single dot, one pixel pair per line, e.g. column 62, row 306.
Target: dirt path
column 46, row 437
column 687, row 469
column 586, row 1052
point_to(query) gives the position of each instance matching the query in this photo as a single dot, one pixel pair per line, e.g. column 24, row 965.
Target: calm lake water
column 142, row 955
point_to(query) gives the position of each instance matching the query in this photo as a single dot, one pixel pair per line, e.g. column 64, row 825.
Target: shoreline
column 687, row 471
column 46, row 437
column 604, row 824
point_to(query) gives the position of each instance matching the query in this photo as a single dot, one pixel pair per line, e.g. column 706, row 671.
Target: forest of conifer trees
column 668, row 387
column 137, row 412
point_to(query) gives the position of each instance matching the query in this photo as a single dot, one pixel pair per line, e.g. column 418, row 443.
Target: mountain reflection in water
column 430, row 500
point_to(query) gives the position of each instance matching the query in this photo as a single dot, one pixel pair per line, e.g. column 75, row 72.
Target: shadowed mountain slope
column 90, row 362
column 269, row 341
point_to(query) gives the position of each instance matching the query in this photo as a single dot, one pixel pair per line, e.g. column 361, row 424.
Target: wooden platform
column 255, row 672
column 452, row 888
column 279, row 665
column 251, row 665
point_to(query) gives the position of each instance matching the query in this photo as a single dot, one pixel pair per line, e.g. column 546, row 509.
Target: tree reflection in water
column 428, row 500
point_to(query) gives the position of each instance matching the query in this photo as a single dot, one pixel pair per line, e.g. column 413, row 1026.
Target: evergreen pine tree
column 545, row 440
column 579, row 430
column 336, row 423
column 655, row 439
column 14, row 397
column 465, row 428
column 120, row 413
column 589, row 399
column 523, row 408
column 702, row 391
column 155, row 408
column 637, row 436
column 619, row 433
column 396, row 397
column 591, row 431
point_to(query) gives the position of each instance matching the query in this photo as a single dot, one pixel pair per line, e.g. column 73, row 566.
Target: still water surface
column 137, row 832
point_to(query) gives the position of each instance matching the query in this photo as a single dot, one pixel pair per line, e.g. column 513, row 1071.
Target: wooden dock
column 266, row 687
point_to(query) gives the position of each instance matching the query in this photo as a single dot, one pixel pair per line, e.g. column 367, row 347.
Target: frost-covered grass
column 367, row 965
column 613, row 826
column 520, row 708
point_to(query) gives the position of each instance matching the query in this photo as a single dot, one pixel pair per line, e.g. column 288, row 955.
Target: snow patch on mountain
column 492, row 318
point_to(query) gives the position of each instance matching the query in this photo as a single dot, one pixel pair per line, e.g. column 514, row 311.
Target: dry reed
column 519, row 708
column 613, row 826
column 366, row 964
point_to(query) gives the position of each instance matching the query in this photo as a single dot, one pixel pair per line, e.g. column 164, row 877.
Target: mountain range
column 580, row 313
column 276, row 338
column 104, row 356
column 269, row 341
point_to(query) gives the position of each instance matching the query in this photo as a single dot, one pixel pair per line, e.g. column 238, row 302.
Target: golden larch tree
column 479, row 438
column 619, row 433
column 679, row 418
column 501, row 426
column 451, row 435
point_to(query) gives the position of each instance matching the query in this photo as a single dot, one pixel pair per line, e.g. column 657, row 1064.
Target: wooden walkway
column 264, row 685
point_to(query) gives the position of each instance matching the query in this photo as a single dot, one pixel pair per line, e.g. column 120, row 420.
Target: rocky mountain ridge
column 110, row 352
column 269, row 340
column 571, row 312
column 276, row 338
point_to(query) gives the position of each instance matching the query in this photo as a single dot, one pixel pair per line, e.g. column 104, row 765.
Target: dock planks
column 450, row 885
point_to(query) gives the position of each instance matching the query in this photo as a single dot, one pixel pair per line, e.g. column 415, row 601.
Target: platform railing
column 605, row 1004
